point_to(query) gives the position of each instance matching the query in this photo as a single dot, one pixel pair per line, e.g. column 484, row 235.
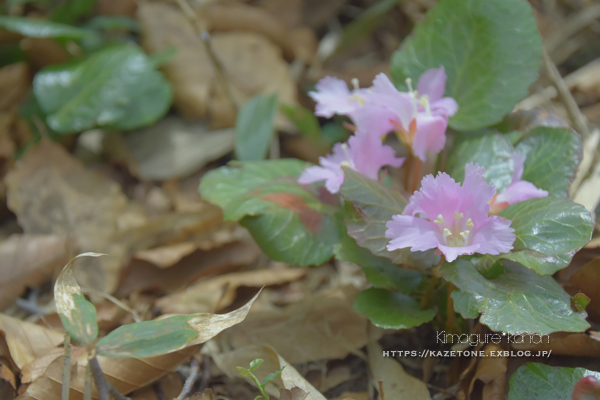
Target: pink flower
column 419, row 117
column 518, row 190
column 363, row 153
column 334, row 97
column 452, row 218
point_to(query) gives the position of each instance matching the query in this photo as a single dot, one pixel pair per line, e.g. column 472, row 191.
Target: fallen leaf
column 166, row 256
column 205, row 295
column 397, row 384
column 174, row 148
column 28, row 260
column 52, row 193
column 322, row 326
column 15, row 80
column 295, row 393
column 170, row 384
column 26, row 341
column 353, row 396
column 141, row 276
column 587, row 281
column 252, row 64
column 492, row 372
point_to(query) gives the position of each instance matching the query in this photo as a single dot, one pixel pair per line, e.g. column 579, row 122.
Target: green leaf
column 254, row 364
column 374, row 204
column 287, row 220
column 553, row 155
column 39, row 28
column 244, row 372
column 489, row 149
column 69, row 11
column 77, row 315
column 272, row 376
column 153, row 338
column 491, row 50
column 518, row 301
column 254, row 127
column 105, row 23
column 549, row 232
column 379, row 270
column 536, row 381
column 304, row 119
column 580, row 301
column 116, row 87
column 391, row 310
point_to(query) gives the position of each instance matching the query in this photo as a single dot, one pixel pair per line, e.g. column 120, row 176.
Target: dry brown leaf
column 166, row 256
column 492, row 372
column 288, row 12
column 26, row 341
column 174, row 148
column 52, row 193
column 322, row 326
column 219, row 291
column 295, row 393
column 141, row 276
column 28, row 260
column 587, row 280
column 397, row 384
column 353, row 396
column 252, row 64
column 42, row 52
column 125, row 374
column 171, row 386
column 289, row 377
column 15, row 80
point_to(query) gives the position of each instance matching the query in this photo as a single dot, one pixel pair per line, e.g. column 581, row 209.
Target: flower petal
column 430, row 136
column 476, row 194
column 332, row 97
column 374, row 120
column 439, row 195
column 451, row 253
column 315, row 174
column 416, row 233
column 519, row 163
column 370, row 155
column 495, row 236
column 432, row 83
column 447, row 106
column 520, row 191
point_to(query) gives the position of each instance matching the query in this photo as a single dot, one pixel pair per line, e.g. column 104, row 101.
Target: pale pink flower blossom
column 518, row 190
column 452, row 218
column 334, row 97
column 419, row 117
column 363, row 153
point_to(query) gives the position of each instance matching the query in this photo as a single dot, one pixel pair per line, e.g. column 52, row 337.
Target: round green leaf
column 289, row 222
column 549, row 231
column 254, row 127
column 491, row 50
column 117, row 87
column 391, row 310
column 39, row 28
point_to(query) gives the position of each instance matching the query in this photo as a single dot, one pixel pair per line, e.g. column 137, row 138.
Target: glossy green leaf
column 244, row 371
column 517, row 301
column 254, row 127
column 153, row 338
column 379, row 271
column 304, row 119
column 77, row 315
column 39, row 28
column 373, row 205
column 69, row 11
column 489, row 149
column 254, row 364
column 287, row 220
column 391, row 310
column 272, row 376
column 549, row 232
column 491, row 50
column 536, row 381
column 553, row 155
column 117, row 87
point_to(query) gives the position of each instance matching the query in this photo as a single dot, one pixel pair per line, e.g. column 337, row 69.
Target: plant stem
column 87, row 385
column 416, row 174
column 99, row 379
column 191, row 379
column 66, row 377
column 381, row 392
column 431, row 284
column 205, row 37
column 407, row 168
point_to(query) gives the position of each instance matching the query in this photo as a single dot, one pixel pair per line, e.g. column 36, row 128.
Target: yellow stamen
column 440, row 219
column 458, row 215
column 470, row 223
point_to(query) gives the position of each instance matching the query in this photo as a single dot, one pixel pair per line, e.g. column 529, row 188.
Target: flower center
column 417, row 100
column 355, row 96
column 348, row 162
column 457, row 233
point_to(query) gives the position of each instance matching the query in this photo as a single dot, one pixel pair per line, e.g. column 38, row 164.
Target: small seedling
column 261, row 386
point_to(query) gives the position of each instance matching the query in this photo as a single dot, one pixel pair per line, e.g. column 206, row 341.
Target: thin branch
column 381, row 392
column 66, row 376
column 191, row 379
column 205, row 37
column 87, row 385
column 99, row 379
column 577, row 118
